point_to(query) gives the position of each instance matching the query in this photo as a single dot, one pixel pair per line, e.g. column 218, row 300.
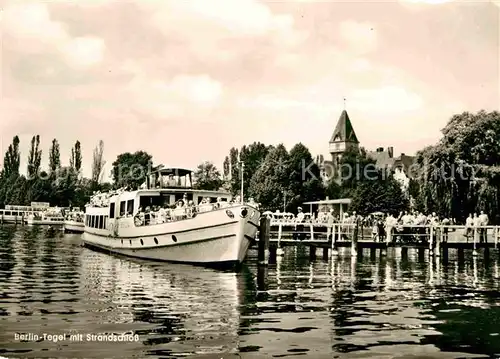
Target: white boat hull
column 74, row 226
column 32, row 222
column 211, row 238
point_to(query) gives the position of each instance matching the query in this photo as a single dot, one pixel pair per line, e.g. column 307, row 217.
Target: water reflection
column 398, row 305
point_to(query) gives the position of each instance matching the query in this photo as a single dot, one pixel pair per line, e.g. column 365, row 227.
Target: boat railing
column 167, row 215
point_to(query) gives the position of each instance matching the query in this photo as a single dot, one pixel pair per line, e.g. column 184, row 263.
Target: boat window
column 100, row 222
column 7, row 213
column 112, row 210
column 105, row 224
column 122, row 208
column 130, row 207
column 92, row 221
column 14, row 213
column 149, row 201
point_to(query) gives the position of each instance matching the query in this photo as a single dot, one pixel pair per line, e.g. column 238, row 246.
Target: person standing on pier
column 300, row 219
column 476, row 223
column 483, row 221
column 469, row 223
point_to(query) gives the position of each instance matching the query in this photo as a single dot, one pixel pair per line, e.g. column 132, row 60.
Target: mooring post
column 444, row 247
column 335, row 228
column 354, row 242
column 439, row 240
column 312, row 253
column 431, row 240
column 325, row 253
column 474, row 252
column 404, row 253
column 264, row 234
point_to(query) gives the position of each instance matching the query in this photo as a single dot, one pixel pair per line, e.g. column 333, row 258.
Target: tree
column 54, row 157
column 382, row 194
column 76, row 157
column 461, row 173
column 270, row 183
column 355, row 167
column 12, row 159
column 34, row 158
column 207, row 177
column 252, row 156
column 305, row 177
column 97, row 164
column 131, row 169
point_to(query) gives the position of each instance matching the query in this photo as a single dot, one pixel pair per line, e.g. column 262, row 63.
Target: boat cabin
column 162, row 178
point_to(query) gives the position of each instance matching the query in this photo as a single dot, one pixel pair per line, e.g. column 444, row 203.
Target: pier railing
column 432, row 235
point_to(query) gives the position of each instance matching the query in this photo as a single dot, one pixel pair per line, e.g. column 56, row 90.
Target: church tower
column 343, row 139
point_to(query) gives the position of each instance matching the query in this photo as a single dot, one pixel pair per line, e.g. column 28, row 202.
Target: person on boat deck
column 252, row 203
column 162, row 214
column 205, row 205
column 218, row 204
column 139, row 217
column 237, row 199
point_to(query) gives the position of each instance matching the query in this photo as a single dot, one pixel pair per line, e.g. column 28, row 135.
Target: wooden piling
column 2, row 217
column 474, row 252
column 22, row 219
column 325, row 253
column 461, row 254
column 272, row 255
column 404, row 253
column 431, row 241
column 373, row 253
column 312, row 253
column 264, row 234
column 354, row 241
column 439, row 240
column 421, row 254
column 335, row 229
column 261, row 278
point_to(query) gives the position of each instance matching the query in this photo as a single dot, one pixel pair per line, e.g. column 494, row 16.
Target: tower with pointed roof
column 343, row 139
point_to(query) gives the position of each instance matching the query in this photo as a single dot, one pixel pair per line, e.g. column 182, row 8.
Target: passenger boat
column 18, row 214
column 73, row 222
column 52, row 216
column 155, row 223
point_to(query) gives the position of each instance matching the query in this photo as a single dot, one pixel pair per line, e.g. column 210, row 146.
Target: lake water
column 369, row 307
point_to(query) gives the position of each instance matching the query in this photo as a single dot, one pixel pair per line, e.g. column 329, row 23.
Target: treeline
column 59, row 185
column 461, row 173
column 283, row 180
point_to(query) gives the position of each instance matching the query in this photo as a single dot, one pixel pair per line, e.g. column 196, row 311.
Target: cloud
column 32, row 30
column 183, row 95
column 84, row 51
column 244, row 17
column 143, row 74
column 358, row 36
column 388, row 99
column 428, row 2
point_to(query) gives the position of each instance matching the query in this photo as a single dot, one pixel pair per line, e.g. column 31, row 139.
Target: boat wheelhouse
column 169, row 220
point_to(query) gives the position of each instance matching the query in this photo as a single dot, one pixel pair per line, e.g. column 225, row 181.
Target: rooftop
column 344, row 132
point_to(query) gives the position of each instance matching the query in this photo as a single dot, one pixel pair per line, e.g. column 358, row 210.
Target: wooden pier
column 435, row 240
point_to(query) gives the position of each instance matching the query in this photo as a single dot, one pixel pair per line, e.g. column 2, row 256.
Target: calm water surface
column 369, row 307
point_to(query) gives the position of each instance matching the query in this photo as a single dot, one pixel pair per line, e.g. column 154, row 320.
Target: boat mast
column 242, row 172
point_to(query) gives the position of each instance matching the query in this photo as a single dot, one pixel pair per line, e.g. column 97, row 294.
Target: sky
column 188, row 80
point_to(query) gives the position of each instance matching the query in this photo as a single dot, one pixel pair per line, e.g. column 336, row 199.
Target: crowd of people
column 183, row 209
column 408, row 226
